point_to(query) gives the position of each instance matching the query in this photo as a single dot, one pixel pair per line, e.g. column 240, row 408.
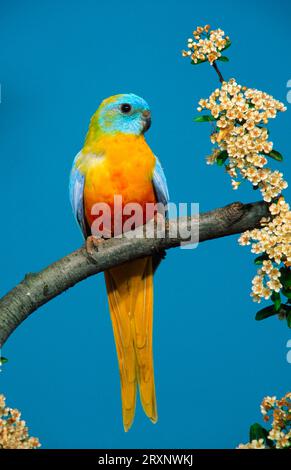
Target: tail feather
column 130, row 295
column 143, row 333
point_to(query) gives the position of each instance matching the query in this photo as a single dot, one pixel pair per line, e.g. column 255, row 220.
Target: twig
column 214, row 65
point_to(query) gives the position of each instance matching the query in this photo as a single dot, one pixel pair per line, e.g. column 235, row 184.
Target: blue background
column 213, row 362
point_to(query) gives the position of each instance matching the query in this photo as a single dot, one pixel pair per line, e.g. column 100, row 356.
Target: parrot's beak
column 146, row 117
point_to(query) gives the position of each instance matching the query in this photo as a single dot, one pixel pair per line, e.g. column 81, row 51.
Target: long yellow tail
column 130, row 296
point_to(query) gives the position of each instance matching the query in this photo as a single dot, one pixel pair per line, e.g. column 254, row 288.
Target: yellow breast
column 118, row 164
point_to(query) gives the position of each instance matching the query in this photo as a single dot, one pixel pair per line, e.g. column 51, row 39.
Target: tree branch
column 37, row 289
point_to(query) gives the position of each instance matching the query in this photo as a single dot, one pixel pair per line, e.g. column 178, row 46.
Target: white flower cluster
column 13, row 430
column 206, row 45
column 279, row 437
column 242, row 140
column 241, row 114
column 274, row 240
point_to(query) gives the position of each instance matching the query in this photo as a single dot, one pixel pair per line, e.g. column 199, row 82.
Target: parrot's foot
column 92, row 243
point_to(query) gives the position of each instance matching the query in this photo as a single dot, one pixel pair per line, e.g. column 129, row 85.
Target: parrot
column 116, row 159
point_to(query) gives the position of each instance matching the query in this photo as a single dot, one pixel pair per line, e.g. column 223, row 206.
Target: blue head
column 126, row 113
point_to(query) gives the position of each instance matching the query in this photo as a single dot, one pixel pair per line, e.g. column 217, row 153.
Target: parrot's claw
column 92, row 244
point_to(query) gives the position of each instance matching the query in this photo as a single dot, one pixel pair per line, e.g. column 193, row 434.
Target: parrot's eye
column 125, row 108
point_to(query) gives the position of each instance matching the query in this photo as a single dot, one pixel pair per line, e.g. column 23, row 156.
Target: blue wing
column 162, row 195
column 76, row 188
column 160, row 184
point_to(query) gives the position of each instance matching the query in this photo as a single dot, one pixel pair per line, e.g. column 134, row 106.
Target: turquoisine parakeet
column 116, row 160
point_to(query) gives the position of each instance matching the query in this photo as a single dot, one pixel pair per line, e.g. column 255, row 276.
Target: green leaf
column 286, row 292
column 223, row 58
column 288, row 318
column 285, row 278
column 3, row 360
column 221, row 157
column 199, row 61
column 265, row 313
column 205, row 118
column 227, row 45
column 259, row 260
column 285, row 308
column 258, row 432
column 275, row 155
column 276, row 299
